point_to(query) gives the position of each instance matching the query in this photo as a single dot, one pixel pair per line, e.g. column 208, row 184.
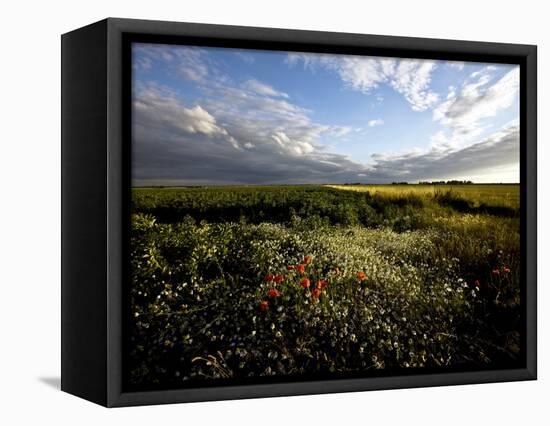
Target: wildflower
column 315, row 293
column 291, row 267
column 264, row 305
column 496, row 271
column 300, row 268
column 269, row 278
column 305, row 283
column 279, row 278
column 273, row 292
column 336, row 270
column 361, row 275
column 506, row 270
column 306, row 260
column 321, row 284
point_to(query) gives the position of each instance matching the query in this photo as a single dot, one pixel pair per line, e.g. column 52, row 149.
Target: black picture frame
column 95, row 198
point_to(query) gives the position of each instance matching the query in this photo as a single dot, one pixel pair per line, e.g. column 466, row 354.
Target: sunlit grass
column 504, row 195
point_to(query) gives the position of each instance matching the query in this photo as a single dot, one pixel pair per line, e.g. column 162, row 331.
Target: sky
column 215, row 116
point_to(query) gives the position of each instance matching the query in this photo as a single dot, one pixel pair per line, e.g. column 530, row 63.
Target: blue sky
column 230, row 116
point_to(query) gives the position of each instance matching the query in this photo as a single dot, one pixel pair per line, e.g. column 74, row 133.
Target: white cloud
column 452, row 92
column 198, row 120
column 440, row 141
column 340, row 131
column 143, row 63
column 465, row 112
column 273, row 125
column 159, row 107
column 291, row 145
column 362, row 74
column 375, row 122
column 412, row 79
column 191, row 63
column 263, row 89
column 409, row 77
column 458, row 65
column 245, row 57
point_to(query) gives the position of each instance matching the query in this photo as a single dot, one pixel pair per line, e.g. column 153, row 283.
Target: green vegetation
column 238, row 282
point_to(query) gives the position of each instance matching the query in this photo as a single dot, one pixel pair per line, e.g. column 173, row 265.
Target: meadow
column 251, row 281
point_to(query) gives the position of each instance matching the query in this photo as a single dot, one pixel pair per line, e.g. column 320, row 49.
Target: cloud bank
column 254, row 141
column 179, row 144
column 250, row 132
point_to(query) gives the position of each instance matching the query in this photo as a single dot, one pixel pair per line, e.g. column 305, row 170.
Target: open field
column 502, row 194
column 240, row 282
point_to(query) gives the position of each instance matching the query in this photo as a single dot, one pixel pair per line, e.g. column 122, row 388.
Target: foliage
column 259, row 281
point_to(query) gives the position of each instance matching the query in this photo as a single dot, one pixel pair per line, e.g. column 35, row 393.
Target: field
column 247, row 282
column 503, row 195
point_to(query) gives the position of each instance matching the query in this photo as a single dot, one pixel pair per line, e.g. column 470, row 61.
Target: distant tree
column 448, row 182
column 459, row 182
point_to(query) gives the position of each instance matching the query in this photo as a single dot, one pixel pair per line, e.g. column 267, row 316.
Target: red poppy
column 477, row 283
column 321, row 284
column 306, row 259
column 496, row 272
column 315, row 293
column 305, row 283
column 300, row 268
column 291, row 267
column 506, row 270
column 269, row 278
column 361, row 275
column 279, row 278
column 264, row 305
column 273, row 292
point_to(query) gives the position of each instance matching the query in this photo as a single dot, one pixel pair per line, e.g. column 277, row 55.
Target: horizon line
column 321, row 184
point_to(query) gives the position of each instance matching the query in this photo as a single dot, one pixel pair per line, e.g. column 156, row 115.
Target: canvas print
column 299, row 216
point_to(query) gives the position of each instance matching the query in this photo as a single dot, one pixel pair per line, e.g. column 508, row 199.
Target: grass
column 398, row 277
column 499, row 195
